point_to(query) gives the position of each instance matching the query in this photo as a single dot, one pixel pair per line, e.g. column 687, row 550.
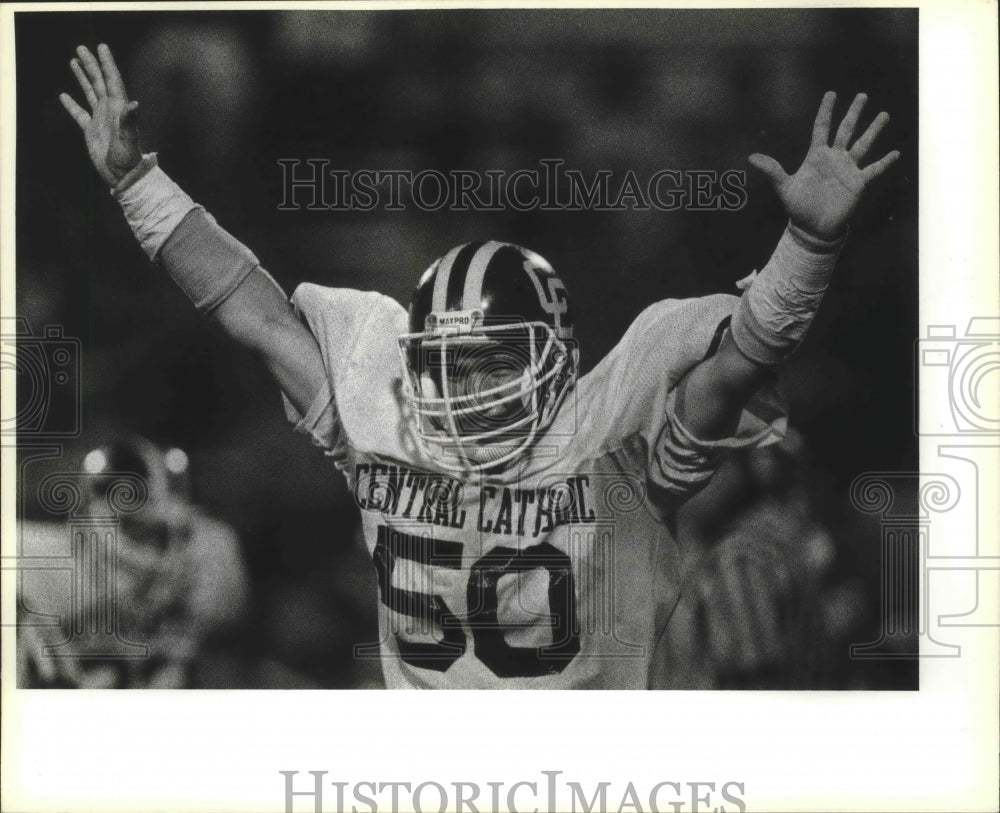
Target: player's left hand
column 826, row 189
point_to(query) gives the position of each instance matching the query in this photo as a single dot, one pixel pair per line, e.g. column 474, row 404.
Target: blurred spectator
column 760, row 608
column 174, row 580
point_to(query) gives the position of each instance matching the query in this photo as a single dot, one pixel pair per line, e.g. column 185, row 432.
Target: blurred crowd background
column 225, row 96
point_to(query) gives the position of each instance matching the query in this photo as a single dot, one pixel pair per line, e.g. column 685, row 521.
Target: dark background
column 224, row 96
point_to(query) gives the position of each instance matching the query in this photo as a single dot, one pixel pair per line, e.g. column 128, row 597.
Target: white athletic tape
column 779, row 303
column 153, row 204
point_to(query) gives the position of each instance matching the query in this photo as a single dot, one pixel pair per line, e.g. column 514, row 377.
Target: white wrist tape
column 153, row 204
column 779, row 304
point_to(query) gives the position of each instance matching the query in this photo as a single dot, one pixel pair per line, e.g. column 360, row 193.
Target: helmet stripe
column 459, row 270
column 472, row 293
column 440, row 298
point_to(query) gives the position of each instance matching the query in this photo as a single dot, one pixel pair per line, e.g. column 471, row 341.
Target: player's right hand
column 110, row 128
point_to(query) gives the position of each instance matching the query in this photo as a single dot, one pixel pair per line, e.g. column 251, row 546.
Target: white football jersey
column 559, row 572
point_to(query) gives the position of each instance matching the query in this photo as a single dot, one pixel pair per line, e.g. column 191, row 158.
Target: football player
column 518, row 516
column 179, row 581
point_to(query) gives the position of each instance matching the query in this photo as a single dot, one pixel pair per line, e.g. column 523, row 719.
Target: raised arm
column 217, row 273
column 779, row 306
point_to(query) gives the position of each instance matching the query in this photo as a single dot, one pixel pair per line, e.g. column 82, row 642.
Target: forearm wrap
column 779, row 305
column 205, row 261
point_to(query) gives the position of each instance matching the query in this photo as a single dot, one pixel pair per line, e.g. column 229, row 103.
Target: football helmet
column 490, row 354
column 164, row 473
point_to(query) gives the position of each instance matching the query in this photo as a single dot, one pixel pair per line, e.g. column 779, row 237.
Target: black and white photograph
column 363, row 349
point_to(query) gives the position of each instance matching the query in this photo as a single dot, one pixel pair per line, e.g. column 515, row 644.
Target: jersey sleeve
column 633, row 389
column 320, row 424
column 357, row 405
column 680, row 462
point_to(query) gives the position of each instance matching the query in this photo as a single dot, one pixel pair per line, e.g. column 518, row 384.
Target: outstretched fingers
column 860, row 148
column 81, row 77
column 846, row 129
column 114, row 79
column 872, row 171
column 80, row 116
column 93, row 70
column 821, row 126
